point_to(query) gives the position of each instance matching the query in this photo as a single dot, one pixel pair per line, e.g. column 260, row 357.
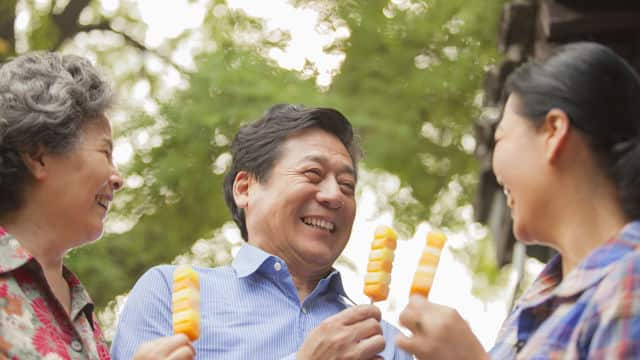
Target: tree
column 409, row 83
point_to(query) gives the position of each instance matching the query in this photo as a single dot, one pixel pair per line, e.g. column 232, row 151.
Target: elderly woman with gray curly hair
column 57, row 179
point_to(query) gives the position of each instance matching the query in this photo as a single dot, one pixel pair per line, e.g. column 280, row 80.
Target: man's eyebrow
column 323, row 159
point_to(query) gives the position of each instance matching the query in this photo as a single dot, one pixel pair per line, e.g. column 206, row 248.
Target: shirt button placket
column 76, row 345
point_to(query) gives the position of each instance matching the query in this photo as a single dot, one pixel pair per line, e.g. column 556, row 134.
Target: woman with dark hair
column 57, row 179
column 567, row 153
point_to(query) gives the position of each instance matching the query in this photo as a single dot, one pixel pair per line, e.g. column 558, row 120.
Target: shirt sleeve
column 616, row 334
column 146, row 314
column 391, row 350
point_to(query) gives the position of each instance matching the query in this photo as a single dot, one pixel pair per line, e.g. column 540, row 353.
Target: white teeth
column 506, row 191
column 507, row 194
column 102, row 201
column 319, row 223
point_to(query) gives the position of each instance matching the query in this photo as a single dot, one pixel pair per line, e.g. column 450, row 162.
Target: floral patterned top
column 33, row 323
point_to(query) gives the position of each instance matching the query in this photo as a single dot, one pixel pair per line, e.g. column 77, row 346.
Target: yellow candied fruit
column 376, row 292
column 429, row 259
column 377, row 277
column 385, row 242
column 383, row 231
column 379, row 265
column 185, row 302
column 381, row 254
column 436, row 239
column 427, row 266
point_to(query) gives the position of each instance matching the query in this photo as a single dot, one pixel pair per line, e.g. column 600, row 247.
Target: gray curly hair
column 46, row 99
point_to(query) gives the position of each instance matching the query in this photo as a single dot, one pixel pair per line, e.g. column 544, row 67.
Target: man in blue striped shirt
column 291, row 190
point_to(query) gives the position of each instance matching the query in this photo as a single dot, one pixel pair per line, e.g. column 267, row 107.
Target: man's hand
column 439, row 332
column 176, row 347
column 354, row 333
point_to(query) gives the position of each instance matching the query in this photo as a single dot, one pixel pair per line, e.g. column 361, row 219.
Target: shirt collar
column 12, row 254
column 334, row 281
column 251, row 259
column 80, row 299
column 589, row 271
column 600, row 261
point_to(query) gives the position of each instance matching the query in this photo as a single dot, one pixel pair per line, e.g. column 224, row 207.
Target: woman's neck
column 42, row 240
column 46, row 246
column 588, row 216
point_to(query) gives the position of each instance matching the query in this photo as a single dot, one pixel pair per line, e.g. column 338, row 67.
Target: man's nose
column 330, row 194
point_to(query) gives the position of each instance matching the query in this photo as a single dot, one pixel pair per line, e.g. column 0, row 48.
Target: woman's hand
column 176, row 347
column 438, row 332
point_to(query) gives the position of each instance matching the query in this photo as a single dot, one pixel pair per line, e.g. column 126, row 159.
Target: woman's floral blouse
column 33, row 323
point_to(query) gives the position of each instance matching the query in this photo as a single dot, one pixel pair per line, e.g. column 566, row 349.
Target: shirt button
column 277, row 266
column 76, row 345
column 304, row 310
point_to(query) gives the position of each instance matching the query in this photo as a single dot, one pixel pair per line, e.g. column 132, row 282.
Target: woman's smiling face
column 519, row 165
column 82, row 181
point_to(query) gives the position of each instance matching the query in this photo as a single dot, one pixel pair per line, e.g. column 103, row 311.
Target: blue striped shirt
column 249, row 310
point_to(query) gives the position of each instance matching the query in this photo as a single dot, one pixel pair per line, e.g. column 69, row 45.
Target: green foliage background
column 410, row 83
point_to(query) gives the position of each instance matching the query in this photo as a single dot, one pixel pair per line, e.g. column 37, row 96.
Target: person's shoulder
column 219, row 269
column 626, row 266
column 157, row 272
column 622, row 277
column 165, row 272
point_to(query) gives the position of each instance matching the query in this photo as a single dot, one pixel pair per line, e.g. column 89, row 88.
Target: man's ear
column 241, row 185
column 556, row 129
column 35, row 162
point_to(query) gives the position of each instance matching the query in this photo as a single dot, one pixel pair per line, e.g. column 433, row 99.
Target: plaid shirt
column 33, row 324
column 593, row 313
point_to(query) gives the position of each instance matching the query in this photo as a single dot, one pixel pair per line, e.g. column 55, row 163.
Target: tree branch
column 67, row 21
column 7, row 34
column 68, row 26
column 106, row 26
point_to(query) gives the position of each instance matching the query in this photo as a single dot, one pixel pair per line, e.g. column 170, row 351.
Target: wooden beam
column 561, row 22
column 517, row 24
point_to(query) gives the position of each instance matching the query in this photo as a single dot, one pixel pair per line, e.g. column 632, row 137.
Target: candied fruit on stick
column 428, row 264
column 378, row 278
column 185, row 302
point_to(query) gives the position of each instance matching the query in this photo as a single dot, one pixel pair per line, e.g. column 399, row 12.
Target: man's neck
column 305, row 284
column 305, row 275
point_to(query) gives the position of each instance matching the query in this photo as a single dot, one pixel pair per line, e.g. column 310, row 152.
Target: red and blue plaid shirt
column 593, row 313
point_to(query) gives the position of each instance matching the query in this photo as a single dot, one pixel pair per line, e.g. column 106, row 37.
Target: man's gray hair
column 46, row 99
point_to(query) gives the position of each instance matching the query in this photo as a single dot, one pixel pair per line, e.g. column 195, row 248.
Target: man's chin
column 322, row 257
